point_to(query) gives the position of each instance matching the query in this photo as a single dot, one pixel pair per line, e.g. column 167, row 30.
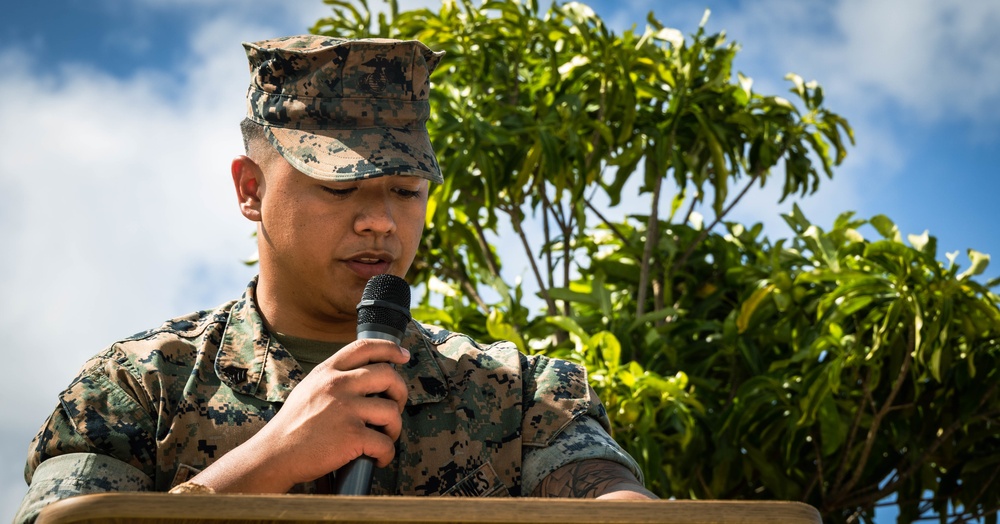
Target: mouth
column 367, row 265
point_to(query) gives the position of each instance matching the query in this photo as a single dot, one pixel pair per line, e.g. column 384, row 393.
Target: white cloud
column 930, row 56
column 936, row 60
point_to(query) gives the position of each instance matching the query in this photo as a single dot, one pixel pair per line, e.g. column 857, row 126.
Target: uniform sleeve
column 74, row 474
column 104, row 410
column 101, row 437
column 555, row 393
column 584, row 439
column 564, row 422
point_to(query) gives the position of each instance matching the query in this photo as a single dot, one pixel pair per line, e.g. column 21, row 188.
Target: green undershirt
column 308, row 353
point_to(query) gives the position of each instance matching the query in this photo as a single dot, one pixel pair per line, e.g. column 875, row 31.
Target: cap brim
column 355, row 154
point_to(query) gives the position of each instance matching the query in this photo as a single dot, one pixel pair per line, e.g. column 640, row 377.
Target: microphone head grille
column 391, row 295
column 389, row 288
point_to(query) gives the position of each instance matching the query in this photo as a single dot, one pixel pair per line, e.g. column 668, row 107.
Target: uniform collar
column 252, row 362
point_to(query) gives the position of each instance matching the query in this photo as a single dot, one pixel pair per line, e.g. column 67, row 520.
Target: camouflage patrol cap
column 344, row 110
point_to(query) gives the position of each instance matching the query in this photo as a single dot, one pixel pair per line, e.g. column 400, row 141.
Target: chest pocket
column 482, row 482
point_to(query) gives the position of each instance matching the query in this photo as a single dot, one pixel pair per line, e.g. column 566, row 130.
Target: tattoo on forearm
column 586, row 479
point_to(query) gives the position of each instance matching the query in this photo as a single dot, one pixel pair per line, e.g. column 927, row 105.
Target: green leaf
column 979, row 263
column 919, row 242
column 672, row 36
column 749, row 306
column 817, row 393
column 886, row 227
column 652, row 316
column 934, row 363
column 573, row 296
column 704, row 18
column 501, row 330
column 951, row 256
column 608, row 347
column 823, row 246
column 571, row 327
column 799, row 87
column 833, row 429
column 577, row 12
column 889, row 248
column 796, row 219
column 432, row 315
column 770, row 474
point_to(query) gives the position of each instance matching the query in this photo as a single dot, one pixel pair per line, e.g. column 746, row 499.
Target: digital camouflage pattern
column 345, row 110
column 479, row 421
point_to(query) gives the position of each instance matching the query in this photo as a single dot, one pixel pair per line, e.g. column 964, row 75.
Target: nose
column 375, row 217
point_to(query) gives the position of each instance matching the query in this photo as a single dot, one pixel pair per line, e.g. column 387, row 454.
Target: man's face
column 320, row 241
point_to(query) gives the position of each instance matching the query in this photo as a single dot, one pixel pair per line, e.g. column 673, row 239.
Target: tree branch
column 515, row 215
column 605, row 221
column 455, row 273
column 879, row 415
column 707, row 229
column 855, row 425
column 491, row 262
column 458, row 274
column 658, row 286
column 546, row 210
column 652, row 232
column 567, row 233
column 873, row 492
column 945, row 435
column 818, row 478
column 982, row 490
column 694, row 201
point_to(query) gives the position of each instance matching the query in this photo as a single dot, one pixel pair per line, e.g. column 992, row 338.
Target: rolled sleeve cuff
column 583, row 439
column 74, row 474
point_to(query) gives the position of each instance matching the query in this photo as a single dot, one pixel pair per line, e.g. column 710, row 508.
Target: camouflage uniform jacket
column 166, row 403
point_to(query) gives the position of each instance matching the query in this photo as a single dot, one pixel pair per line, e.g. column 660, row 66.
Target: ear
column 248, row 180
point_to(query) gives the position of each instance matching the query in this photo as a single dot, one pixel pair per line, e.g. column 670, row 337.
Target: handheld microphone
column 383, row 313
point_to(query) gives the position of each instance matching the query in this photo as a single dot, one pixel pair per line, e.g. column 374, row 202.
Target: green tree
column 826, row 367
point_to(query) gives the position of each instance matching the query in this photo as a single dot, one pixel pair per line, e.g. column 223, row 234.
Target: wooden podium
column 188, row 508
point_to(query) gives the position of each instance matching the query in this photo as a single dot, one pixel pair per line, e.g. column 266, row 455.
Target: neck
column 291, row 314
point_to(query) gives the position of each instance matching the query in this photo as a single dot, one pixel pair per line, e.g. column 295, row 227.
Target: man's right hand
column 349, row 405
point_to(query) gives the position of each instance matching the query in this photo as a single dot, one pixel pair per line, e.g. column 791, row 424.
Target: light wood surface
column 189, row 508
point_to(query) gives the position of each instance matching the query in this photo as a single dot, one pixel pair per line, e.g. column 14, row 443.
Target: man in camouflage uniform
column 271, row 392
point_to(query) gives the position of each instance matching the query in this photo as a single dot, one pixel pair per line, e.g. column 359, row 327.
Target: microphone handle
column 355, row 478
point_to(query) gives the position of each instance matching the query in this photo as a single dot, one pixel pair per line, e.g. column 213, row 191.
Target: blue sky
column 120, row 119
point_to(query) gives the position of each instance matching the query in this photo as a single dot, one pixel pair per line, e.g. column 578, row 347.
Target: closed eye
column 407, row 193
column 341, row 192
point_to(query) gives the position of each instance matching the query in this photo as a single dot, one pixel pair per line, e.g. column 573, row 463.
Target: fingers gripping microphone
column 383, row 313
